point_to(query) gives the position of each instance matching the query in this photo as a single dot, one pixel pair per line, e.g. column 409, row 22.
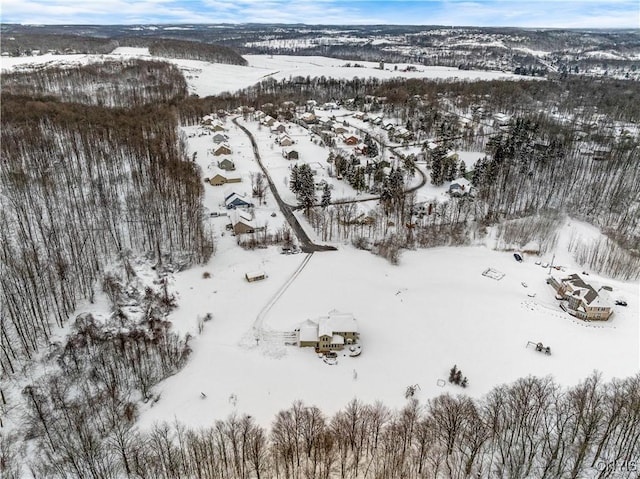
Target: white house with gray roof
column 583, row 301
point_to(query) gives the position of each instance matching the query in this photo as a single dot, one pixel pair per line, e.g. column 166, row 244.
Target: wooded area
column 83, row 185
column 530, row 428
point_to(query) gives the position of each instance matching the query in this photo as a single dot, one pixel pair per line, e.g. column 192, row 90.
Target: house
column 268, row 120
column 212, row 123
column 278, row 128
column 226, row 165
column 339, row 129
column 582, row 300
column 220, row 138
column 217, row 125
column 461, row 187
column 403, row 133
column 501, row 119
column 242, row 222
column 222, row 178
column 351, row 140
column 234, row 200
column 206, row 120
column 222, row 149
column 309, row 118
column 285, row 140
column 329, row 333
column 290, row 154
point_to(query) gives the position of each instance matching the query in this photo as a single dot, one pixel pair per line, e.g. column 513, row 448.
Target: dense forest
column 83, row 185
column 196, row 51
column 107, row 83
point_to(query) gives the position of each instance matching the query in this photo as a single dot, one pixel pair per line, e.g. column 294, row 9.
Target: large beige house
column 329, row 333
column 583, row 301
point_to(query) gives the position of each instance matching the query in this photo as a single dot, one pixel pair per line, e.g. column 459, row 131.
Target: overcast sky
column 517, row 13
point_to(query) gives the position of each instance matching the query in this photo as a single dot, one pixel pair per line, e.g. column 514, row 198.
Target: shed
column 255, row 276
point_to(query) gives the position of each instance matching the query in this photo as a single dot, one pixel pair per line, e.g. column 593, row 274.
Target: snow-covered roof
column 308, row 331
column 461, row 183
column 235, row 197
column 240, row 216
column 578, row 288
column 336, row 322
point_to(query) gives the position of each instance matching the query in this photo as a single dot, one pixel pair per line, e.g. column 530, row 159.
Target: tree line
column 530, row 428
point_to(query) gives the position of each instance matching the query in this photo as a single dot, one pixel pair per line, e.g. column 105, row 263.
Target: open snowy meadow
column 416, row 321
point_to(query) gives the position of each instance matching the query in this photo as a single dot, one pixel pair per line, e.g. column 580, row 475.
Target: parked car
column 620, row 302
column 518, row 257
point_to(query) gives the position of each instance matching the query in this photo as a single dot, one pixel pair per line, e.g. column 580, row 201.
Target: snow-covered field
column 205, row 79
column 416, row 320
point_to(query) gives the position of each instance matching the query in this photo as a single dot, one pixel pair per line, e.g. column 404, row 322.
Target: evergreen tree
column 294, row 180
column 452, row 373
column 357, row 179
column 306, row 193
column 462, row 169
column 438, row 156
column 458, row 377
column 326, row 196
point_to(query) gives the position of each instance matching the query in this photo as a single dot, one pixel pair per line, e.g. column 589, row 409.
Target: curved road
column 306, row 244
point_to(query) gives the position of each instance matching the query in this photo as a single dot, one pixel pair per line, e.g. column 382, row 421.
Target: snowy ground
column 205, row 79
column 416, row 321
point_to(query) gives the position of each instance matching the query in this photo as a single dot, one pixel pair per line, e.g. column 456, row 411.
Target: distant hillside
column 195, row 51
column 27, row 44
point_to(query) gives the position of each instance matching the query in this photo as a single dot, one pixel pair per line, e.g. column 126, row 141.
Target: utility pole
column 551, row 265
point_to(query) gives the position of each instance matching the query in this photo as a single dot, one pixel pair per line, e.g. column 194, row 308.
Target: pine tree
column 462, row 169
column 464, row 382
column 458, row 377
column 452, row 373
column 306, row 191
column 294, row 181
column 326, row 196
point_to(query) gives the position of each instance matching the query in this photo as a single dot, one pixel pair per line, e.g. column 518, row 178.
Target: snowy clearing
column 416, row 320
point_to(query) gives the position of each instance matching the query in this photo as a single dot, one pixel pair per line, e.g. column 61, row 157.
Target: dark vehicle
column 518, row 257
column 621, row 303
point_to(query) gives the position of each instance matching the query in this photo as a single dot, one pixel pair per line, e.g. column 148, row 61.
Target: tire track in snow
column 262, row 333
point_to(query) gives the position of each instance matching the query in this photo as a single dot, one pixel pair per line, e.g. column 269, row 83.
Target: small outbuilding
column 255, row 276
